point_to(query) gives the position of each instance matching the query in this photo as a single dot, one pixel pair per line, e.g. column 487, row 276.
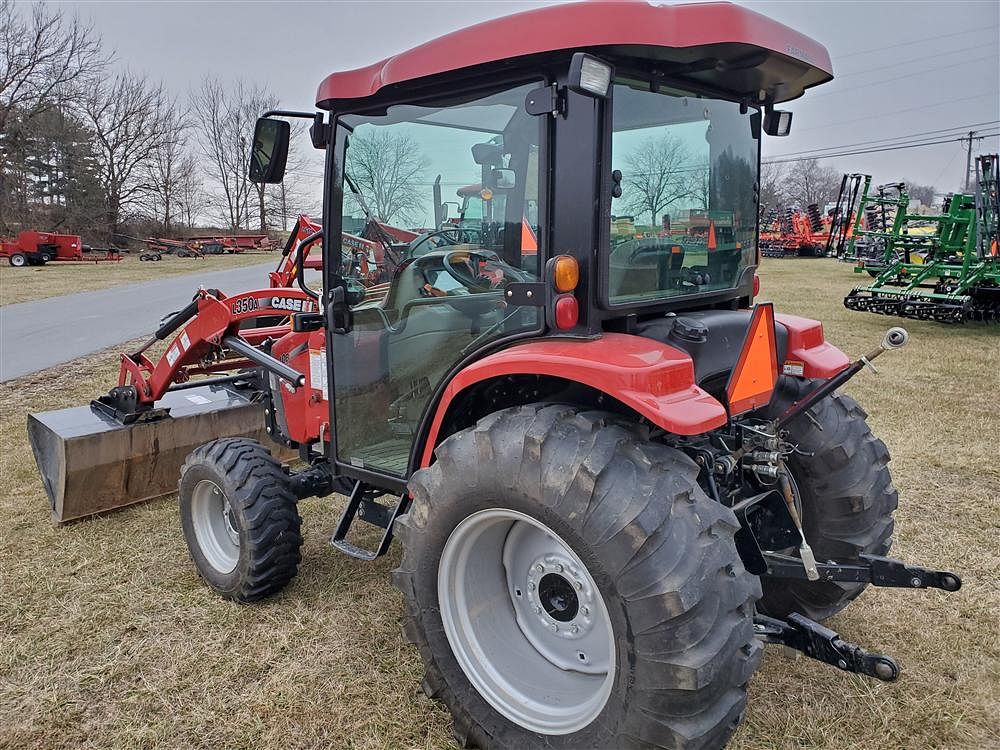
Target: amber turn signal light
column 565, row 273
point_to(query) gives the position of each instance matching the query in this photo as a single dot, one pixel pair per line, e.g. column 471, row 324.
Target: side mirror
column 269, row 151
column 502, row 179
column 777, row 122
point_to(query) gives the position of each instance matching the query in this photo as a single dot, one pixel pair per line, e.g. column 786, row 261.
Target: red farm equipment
column 234, row 243
column 788, row 232
column 33, row 248
column 614, row 477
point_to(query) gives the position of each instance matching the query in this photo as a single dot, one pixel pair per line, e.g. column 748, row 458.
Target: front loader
column 614, row 476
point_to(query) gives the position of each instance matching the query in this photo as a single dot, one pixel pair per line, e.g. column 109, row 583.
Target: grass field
column 56, row 279
column 109, row 640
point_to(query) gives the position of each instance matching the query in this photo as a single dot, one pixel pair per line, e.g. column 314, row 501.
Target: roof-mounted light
column 588, row 75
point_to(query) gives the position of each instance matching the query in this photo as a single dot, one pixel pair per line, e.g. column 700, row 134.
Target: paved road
column 40, row 334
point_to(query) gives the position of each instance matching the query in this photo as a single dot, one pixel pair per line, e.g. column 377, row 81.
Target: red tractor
column 614, row 476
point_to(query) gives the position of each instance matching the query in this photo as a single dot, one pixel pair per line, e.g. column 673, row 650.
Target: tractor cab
column 543, row 140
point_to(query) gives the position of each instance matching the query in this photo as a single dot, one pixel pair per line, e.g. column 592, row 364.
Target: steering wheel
column 450, row 236
column 466, row 272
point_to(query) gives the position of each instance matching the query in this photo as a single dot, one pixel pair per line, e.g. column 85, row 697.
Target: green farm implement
column 950, row 275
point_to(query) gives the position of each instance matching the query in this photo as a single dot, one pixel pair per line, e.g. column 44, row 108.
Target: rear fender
column 653, row 379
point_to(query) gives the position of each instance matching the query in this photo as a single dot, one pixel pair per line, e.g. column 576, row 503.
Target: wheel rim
column 215, row 526
column 526, row 621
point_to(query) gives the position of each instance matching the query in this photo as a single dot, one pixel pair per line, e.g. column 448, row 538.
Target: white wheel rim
column 214, row 526
column 526, row 622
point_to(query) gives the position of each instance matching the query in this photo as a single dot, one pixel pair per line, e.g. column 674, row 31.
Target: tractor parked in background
column 613, row 475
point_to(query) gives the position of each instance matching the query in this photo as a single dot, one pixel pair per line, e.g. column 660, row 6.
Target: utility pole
column 968, row 159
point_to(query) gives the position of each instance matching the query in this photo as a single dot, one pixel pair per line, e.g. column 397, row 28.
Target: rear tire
column 635, row 536
column 845, row 493
column 240, row 518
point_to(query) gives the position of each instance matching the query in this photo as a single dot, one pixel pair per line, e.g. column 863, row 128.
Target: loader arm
column 199, row 348
column 284, row 275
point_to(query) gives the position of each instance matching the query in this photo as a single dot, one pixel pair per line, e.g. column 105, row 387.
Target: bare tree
column 169, row 167
column 189, row 195
column 227, row 119
column 46, row 59
column 808, row 181
column 923, row 193
column 772, row 186
column 656, row 175
column 129, row 116
column 388, row 168
column 700, row 185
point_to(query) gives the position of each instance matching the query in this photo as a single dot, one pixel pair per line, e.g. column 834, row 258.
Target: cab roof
column 718, row 46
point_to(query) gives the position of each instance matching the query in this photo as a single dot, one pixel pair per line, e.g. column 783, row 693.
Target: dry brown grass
column 56, row 279
column 108, row 639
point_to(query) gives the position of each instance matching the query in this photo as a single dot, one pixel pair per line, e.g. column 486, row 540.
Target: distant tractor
column 614, row 477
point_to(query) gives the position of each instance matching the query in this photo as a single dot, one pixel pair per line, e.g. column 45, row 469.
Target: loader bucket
column 90, row 463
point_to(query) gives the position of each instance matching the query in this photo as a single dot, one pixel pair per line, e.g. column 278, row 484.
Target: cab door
column 447, row 303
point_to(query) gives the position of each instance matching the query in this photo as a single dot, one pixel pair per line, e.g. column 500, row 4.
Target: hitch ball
column 895, row 338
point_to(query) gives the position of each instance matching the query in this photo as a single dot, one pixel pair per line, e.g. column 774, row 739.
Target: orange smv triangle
column 529, row 243
column 752, row 381
column 712, row 245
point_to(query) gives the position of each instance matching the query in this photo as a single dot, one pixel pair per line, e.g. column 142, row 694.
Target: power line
column 935, row 69
column 964, row 32
column 889, row 141
column 896, row 147
column 923, row 59
column 900, row 111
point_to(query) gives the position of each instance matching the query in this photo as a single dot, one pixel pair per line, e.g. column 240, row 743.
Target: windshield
column 686, row 219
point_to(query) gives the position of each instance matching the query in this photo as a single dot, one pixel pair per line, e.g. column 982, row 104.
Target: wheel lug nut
column 538, row 610
column 540, row 568
column 585, row 611
column 531, row 585
column 575, row 629
column 559, row 568
column 577, row 585
column 555, row 628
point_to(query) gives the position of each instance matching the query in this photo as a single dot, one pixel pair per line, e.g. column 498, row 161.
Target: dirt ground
column 109, row 640
column 56, row 279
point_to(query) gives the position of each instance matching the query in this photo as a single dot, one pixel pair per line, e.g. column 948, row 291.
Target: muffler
column 90, row 462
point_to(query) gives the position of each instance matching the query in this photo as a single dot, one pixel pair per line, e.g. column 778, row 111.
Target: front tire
column 845, row 493
column 539, row 513
column 240, row 518
column 18, row 260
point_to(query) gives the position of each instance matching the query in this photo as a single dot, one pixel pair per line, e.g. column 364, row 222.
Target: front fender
column 654, row 379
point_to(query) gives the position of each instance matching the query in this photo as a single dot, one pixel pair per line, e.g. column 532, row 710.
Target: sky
column 901, row 68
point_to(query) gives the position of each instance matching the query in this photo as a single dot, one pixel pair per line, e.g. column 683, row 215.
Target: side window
column 686, row 220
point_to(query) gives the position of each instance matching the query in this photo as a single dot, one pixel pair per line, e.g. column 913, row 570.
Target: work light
column 588, row 75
